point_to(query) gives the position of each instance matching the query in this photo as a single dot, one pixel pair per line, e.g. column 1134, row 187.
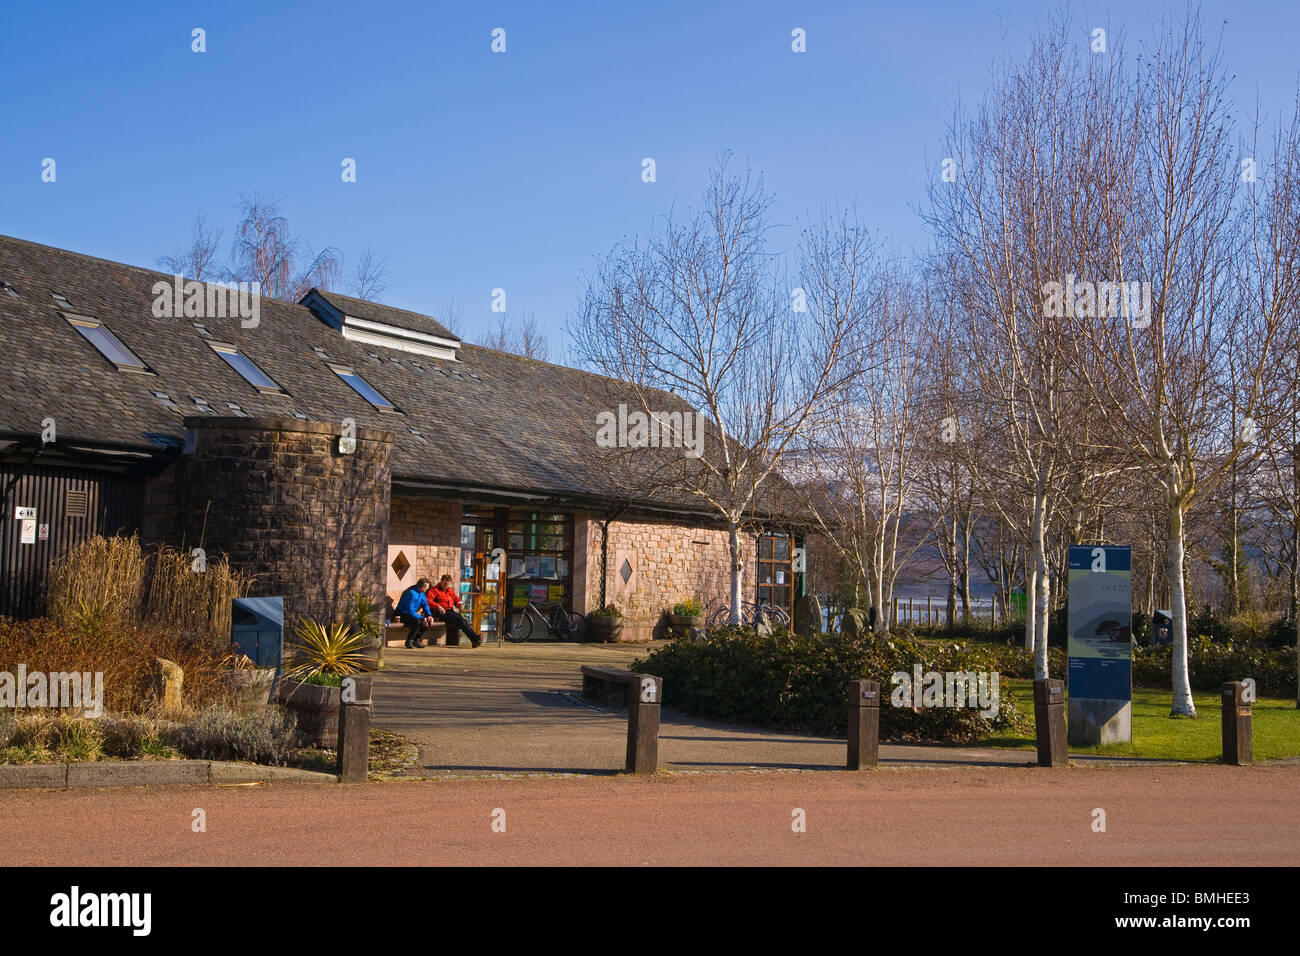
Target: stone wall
column 668, row 563
column 425, row 532
column 282, row 502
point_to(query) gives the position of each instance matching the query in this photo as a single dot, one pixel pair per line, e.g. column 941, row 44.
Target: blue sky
column 478, row 170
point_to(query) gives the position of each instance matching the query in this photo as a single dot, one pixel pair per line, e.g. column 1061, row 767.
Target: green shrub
column 1211, row 664
column 1207, row 624
column 688, row 608
column 1280, row 633
column 789, row 682
column 322, row 680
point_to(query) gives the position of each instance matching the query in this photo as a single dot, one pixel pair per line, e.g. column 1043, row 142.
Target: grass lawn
column 1156, row 734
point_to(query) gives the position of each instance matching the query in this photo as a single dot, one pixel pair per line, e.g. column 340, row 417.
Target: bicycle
column 564, row 624
column 752, row 615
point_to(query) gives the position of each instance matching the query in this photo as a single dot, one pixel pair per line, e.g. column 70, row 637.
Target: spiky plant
column 326, row 649
column 362, row 615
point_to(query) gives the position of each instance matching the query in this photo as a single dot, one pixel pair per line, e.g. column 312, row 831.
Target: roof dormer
column 375, row 324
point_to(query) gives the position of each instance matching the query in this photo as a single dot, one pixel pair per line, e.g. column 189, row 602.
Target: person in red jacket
column 444, row 601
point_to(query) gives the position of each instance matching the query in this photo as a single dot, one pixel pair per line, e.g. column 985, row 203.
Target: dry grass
column 115, row 582
column 99, row 572
column 124, row 653
column 115, row 609
column 195, row 603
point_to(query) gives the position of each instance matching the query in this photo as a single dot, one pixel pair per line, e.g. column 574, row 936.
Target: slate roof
column 490, row 420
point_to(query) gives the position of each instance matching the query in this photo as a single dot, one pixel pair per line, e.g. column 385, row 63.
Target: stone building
column 332, row 446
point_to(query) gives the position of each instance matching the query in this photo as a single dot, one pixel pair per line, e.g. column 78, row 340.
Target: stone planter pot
column 317, row 708
column 606, row 629
column 374, row 652
column 686, row 622
column 250, row 689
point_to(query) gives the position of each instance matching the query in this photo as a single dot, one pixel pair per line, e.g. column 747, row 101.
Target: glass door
column 481, row 577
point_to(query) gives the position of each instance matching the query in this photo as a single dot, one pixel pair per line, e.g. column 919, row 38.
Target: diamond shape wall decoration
column 625, row 571
column 401, row 565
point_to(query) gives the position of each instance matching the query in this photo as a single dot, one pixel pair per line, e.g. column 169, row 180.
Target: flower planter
column 317, row 708
column 686, row 622
column 606, row 629
column 250, row 690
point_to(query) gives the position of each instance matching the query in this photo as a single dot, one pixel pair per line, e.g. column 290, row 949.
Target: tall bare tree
column 1184, row 387
column 200, row 261
column 266, row 252
column 700, row 310
column 369, row 275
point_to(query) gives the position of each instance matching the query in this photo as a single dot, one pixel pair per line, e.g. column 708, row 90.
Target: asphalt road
column 1165, row 815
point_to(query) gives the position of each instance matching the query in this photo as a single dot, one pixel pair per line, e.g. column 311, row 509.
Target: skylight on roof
column 60, row 300
column 10, row 289
column 166, row 401
column 108, row 344
column 202, row 329
column 363, row 388
column 246, row 367
column 202, row 404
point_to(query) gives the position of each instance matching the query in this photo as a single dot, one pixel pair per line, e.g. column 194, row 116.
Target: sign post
column 1101, row 646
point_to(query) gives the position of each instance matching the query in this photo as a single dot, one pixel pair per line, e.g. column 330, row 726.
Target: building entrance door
column 481, row 577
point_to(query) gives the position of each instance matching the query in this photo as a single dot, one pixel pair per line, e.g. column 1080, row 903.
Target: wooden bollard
column 1049, row 722
column 354, row 729
column 864, row 724
column 1238, row 739
column 643, row 699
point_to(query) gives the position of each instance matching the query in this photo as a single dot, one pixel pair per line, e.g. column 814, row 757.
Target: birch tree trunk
column 1182, row 697
column 737, row 571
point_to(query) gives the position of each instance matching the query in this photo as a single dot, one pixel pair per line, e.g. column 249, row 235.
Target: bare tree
column 863, row 454
column 199, row 261
column 369, row 275
column 1006, row 219
column 1184, row 386
column 453, row 317
column 265, row 252
column 522, row 336
column 699, row 310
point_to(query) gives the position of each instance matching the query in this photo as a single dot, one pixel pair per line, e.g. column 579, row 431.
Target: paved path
column 515, row 709
column 1166, row 815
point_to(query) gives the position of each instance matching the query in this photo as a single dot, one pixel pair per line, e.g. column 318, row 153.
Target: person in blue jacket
column 413, row 611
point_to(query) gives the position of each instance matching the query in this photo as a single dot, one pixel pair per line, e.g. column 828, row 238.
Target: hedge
column 790, row 682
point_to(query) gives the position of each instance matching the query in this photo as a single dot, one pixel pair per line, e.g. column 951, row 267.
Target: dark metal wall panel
column 114, row 504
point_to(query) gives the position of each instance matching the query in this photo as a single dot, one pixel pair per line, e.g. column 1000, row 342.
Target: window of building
column 364, row 388
column 539, row 548
column 201, row 404
column 234, row 407
column 107, row 344
column 246, row 367
column 775, row 574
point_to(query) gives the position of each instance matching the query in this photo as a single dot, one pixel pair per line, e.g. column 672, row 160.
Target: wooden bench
column 607, row 685
column 395, row 634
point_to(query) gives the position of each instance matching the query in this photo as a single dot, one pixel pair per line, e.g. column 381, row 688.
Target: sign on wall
column 1100, row 623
